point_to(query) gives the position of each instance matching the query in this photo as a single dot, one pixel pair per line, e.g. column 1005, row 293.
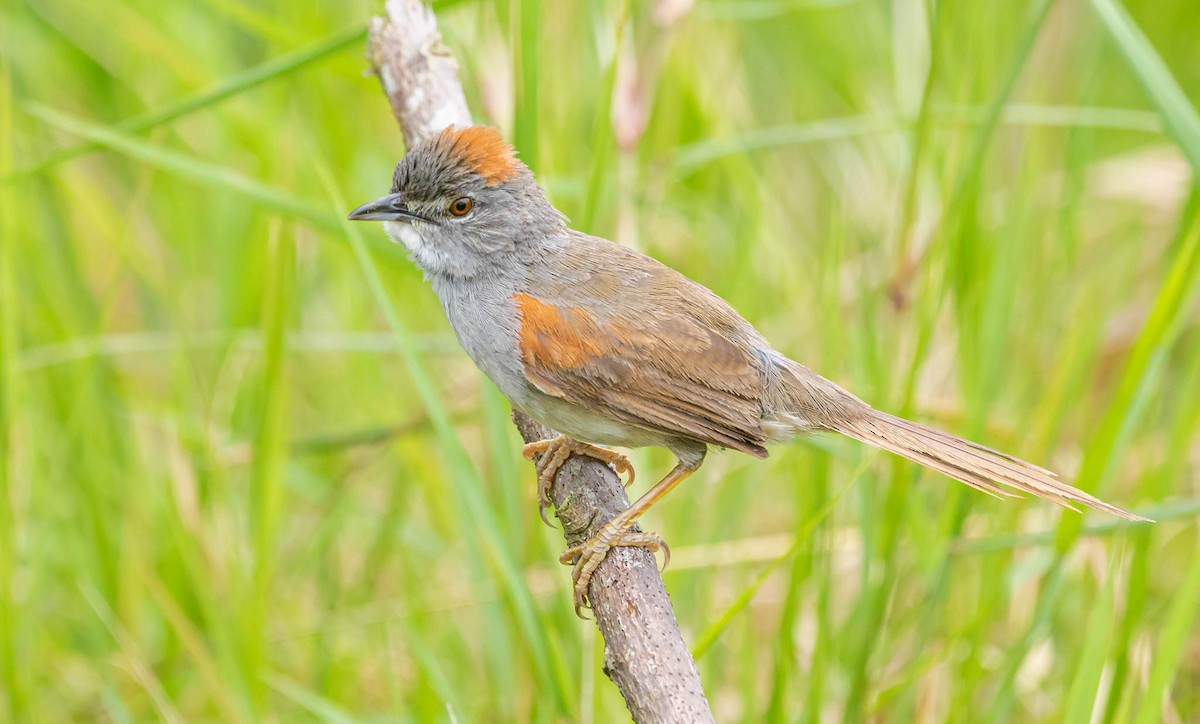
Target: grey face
column 451, row 219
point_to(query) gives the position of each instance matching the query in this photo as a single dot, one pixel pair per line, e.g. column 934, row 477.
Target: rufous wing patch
column 483, row 150
column 554, row 338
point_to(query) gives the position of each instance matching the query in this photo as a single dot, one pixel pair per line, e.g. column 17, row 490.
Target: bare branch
column 417, row 71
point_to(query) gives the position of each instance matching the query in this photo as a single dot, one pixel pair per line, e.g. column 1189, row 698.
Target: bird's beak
column 389, row 208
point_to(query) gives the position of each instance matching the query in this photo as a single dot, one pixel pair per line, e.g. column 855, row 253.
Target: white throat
column 405, row 234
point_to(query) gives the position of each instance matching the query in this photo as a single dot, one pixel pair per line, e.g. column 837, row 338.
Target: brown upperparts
column 665, row 373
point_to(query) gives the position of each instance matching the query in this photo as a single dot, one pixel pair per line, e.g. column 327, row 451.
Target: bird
column 612, row 348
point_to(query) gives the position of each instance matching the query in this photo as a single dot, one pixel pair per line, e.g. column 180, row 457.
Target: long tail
column 991, row 471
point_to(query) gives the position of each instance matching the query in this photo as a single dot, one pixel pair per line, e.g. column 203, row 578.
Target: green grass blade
column 200, row 171
column 603, row 142
column 525, row 124
column 1178, row 113
column 1158, row 334
column 10, row 678
column 316, row 705
column 1081, row 698
column 694, row 155
column 1173, row 511
column 227, row 88
column 1180, row 621
column 982, row 139
column 270, row 453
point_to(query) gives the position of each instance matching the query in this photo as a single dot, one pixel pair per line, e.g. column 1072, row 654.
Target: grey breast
column 483, row 315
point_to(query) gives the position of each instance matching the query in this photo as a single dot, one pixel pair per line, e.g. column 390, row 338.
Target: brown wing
column 625, row 340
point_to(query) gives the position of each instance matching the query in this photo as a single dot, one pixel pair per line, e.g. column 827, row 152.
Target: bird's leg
column 555, row 452
column 588, row 556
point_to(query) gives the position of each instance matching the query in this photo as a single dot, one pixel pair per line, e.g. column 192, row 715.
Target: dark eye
column 461, row 206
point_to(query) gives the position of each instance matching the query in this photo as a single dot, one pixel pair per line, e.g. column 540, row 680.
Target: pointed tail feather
column 990, row 471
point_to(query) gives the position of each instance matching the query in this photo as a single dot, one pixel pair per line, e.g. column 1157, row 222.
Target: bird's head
column 463, row 204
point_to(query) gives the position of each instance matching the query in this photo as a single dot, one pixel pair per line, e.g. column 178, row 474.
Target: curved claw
column 581, row 605
column 544, row 498
column 622, row 465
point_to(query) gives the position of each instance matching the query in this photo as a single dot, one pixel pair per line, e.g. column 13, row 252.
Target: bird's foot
column 586, row 558
column 555, row 452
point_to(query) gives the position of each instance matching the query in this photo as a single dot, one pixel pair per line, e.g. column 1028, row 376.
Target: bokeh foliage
column 246, row 474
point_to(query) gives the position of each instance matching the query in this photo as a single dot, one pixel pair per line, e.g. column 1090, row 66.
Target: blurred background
column 247, row 475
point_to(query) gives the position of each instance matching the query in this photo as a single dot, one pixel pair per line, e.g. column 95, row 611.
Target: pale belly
column 585, row 425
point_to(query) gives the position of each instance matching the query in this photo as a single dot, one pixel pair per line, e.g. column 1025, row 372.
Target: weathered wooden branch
column 644, row 652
